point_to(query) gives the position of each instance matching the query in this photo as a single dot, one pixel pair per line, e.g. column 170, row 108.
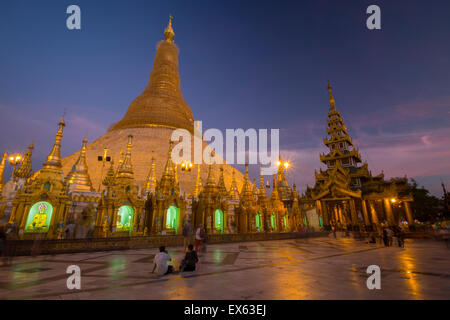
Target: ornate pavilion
column 346, row 194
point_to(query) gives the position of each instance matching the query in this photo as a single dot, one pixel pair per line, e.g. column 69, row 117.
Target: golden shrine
column 346, row 194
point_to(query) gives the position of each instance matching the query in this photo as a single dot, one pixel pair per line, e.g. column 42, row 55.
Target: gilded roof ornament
column 78, row 179
column 25, row 170
column 150, row 185
column 168, row 32
column 332, row 103
column 54, row 158
column 234, row 191
column 126, row 168
column 222, row 188
column 262, row 188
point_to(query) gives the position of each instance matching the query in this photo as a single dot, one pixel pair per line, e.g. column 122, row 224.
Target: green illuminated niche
column 218, row 220
column 172, row 218
column 39, row 217
column 273, row 222
column 286, row 223
column 124, row 218
column 258, row 221
column 320, row 221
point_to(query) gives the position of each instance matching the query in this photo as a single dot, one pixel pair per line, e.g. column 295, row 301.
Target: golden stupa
column 151, row 119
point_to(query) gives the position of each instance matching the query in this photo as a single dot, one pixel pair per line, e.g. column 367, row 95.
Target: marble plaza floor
column 318, row 268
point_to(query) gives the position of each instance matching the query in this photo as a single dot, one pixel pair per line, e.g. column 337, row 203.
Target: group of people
column 190, row 258
column 388, row 234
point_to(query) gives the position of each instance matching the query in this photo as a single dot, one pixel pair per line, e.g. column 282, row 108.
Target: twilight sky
column 243, row 64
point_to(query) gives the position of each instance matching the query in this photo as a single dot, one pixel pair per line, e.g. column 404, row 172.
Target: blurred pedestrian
column 190, row 259
column 187, row 234
column 199, row 236
column 385, row 237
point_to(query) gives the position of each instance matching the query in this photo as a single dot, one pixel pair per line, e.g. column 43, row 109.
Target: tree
column 426, row 207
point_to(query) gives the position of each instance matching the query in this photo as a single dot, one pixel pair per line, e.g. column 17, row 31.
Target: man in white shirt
column 160, row 262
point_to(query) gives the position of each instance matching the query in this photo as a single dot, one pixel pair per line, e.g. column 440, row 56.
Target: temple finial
column 332, row 104
column 168, row 33
column 54, row 158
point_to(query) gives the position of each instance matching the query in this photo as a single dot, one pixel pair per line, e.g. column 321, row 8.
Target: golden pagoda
column 263, row 206
column 150, row 185
column 42, row 203
column 120, row 210
column 78, row 179
column 151, row 118
column 211, row 210
column 163, row 89
column 245, row 215
column 168, row 207
column 276, row 209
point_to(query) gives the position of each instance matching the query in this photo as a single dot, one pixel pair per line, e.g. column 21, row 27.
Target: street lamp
column 14, row 160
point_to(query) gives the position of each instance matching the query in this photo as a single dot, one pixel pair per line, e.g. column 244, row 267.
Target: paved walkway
column 318, row 268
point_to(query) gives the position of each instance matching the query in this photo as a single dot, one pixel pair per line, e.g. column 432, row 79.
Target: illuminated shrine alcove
column 124, row 218
column 286, row 223
column 258, row 221
column 39, row 217
column 273, row 221
column 172, row 218
column 218, row 220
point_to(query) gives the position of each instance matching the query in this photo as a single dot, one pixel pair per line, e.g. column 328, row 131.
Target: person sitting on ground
column 160, row 262
column 190, row 259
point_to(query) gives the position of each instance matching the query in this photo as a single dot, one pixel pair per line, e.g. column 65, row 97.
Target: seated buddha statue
column 39, row 218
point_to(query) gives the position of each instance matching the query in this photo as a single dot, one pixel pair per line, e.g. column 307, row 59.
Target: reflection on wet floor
column 320, row 268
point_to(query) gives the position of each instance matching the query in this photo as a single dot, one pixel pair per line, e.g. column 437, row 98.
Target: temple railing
column 35, row 247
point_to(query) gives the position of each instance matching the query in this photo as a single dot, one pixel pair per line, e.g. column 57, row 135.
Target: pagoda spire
column 222, row 188
column 234, row 191
column 78, row 179
column 262, row 189
column 338, row 140
column 54, row 158
column 25, row 170
column 168, row 169
column 168, row 32
column 274, row 196
column 2, row 169
column 161, row 104
column 126, row 168
column 108, row 181
column 210, row 178
column 150, row 185
column 332, row 102
column 247, row 192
